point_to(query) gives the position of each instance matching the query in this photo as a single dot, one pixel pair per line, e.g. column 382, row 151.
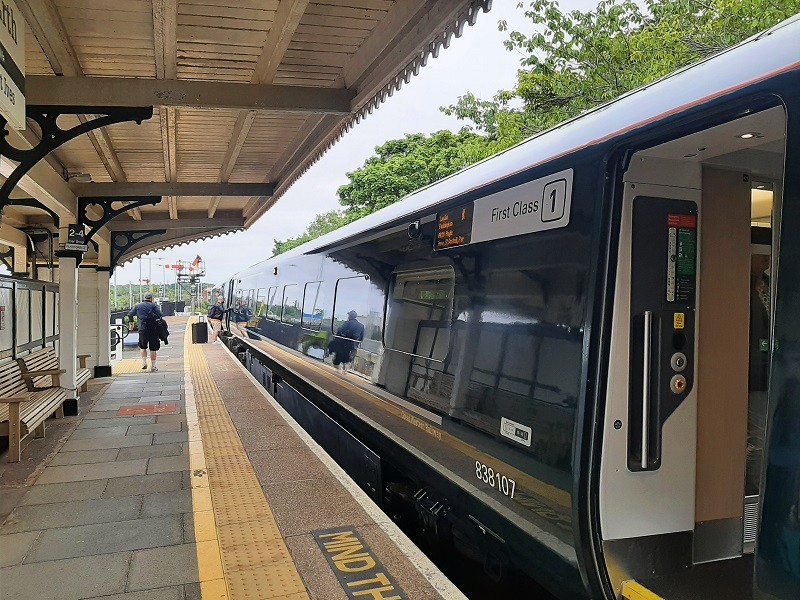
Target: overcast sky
column 477, row 62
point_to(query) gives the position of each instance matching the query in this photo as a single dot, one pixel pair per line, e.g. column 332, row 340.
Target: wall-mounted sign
column 76, row 238
column 12, row 64
column 2, row 318
column 538, row 205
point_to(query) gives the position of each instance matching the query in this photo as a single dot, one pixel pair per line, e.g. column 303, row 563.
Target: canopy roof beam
column 125, row 91
column 171, row 188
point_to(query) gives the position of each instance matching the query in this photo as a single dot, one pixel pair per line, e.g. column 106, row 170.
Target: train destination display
column 538, row 205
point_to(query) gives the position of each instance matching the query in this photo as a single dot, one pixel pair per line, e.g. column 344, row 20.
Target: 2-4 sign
column 76, row 239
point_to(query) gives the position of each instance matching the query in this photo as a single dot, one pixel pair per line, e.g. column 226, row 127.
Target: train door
column 686, row 398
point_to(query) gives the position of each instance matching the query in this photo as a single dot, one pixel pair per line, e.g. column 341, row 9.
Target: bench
column 23, row 410
column 46, row 360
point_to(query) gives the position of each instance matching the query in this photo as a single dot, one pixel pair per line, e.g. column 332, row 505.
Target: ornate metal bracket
column 33, row 202
column 109, row 212
column 122, row 241
column 7, row 258
column 53, row 136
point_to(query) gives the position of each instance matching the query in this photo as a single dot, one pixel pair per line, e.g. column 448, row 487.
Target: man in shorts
column 215, row 314
column 147, row 313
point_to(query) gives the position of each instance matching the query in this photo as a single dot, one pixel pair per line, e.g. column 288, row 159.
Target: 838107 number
column 504, row 484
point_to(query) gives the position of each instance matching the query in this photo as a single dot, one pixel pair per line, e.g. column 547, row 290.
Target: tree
column 574, row 61
column 398, row 168
column 570, row 62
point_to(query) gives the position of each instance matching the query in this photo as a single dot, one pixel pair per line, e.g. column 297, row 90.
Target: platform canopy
column 246, row 95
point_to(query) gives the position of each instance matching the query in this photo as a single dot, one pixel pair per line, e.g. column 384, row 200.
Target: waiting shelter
column 138, row 125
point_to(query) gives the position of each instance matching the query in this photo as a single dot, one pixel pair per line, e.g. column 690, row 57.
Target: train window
column 273, row 304
column 419, row 312
column 352, row 296
column 313, row 313
column 261, row 303
column 292, row 304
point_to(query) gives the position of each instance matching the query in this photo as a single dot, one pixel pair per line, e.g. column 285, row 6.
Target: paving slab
column 287, row 464
column 165, row 593
column 155, row 428
column 143, row 484
column 174, row 565
column 171, row 438
column 85, row 457
column 149, row 451
column 167, row 503
column 87, row 472
column 105, row 538
column 175, row 398
column 115, row 421
column 68, row 579
column 70, row 514
column 171, row 419
column 64, row 492
column 14, row 547
column 166, row 464
column 98, row 432
column 123, row 441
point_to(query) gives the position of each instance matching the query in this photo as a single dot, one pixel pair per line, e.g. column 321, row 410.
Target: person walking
column 347, row 339
column 215, row 314
column 241, row 316
column 147, row 314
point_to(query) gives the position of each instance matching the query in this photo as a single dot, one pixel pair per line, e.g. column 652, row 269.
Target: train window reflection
column 292, row 303
column 420, row 311
column 352, row 296
column 261, row 303
column 313, row 313
column 273, row 304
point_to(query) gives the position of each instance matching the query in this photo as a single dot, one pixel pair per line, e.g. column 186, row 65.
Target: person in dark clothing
column 148, row 314
column 241, row 316
column 349, row 335
column 216, row 312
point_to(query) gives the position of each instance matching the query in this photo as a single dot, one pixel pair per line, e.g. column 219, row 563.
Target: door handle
column 648, row 338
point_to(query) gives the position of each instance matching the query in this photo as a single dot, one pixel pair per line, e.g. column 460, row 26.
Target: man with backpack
column 148, row 316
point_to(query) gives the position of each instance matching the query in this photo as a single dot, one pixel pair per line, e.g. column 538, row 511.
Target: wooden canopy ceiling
column 247, row 94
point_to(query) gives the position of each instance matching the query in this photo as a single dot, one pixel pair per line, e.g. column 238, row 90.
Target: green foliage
column 398, row 168
column 570, row 62
column 575, row 61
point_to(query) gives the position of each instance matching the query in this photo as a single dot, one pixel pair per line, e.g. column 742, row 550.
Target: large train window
column 351, row 301
column 261, row 303
column 313, row 313
column 420, row 312
column 273, row 303
column 292, row 303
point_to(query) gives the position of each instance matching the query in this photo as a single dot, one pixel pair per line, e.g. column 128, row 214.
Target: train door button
column 678, row 361
column 678, row 384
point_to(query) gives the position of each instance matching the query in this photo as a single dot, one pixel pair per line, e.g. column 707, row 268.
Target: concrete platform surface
column 225, row 497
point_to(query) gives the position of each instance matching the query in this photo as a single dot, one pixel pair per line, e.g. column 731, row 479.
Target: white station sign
column 538, row 205
column 12, row 64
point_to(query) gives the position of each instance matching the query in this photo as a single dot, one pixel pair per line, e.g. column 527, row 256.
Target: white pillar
column 68, row 328
column 103, row 365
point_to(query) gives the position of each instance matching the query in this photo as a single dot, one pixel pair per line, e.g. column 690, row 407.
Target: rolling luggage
column 200, row 331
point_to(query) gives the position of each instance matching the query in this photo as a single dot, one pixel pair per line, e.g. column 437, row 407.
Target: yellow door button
column 679, row 320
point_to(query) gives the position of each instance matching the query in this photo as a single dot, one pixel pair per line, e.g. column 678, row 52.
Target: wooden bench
column 46, row 360
column 24, row 409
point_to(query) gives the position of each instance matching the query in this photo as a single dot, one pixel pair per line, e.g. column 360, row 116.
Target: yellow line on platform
column 636, row 591
column 231, row 512
column 127, row 365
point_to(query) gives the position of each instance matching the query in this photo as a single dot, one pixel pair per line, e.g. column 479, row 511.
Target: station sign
column 12, row 64
column 76, row 239
column 538, row 205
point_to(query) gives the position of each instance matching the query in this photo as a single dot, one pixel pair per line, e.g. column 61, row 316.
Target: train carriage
column 579, row 358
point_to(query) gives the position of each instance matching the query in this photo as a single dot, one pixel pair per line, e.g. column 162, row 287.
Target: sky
column 476, row 62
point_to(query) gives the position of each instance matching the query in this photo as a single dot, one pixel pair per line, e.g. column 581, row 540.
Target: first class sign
column 12, row 64
column 538, row 205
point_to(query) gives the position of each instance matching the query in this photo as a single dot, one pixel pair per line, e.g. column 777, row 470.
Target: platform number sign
column 537, row 205
column 12, row 64
column 76, row 238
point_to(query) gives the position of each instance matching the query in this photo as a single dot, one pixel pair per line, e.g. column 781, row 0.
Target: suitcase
column 200, row 331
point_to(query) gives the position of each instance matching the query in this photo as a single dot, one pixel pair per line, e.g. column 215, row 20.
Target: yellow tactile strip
column 255, row 560
column 127, row 365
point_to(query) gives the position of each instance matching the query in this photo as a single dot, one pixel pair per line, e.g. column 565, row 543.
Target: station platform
column 192, row 482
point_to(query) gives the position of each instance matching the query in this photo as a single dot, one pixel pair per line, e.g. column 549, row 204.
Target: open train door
column 686, row 404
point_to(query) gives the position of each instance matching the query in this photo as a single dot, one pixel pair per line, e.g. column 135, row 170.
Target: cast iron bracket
column 108, row 210
column 33, row 202
column 122, row 241
column 53, row 136
column 7, row 258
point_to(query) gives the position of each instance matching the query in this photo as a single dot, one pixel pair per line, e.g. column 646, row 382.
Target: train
column 575, row 362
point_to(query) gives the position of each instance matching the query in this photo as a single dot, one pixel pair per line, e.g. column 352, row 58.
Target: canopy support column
column 103, row 366
column 68, row 327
